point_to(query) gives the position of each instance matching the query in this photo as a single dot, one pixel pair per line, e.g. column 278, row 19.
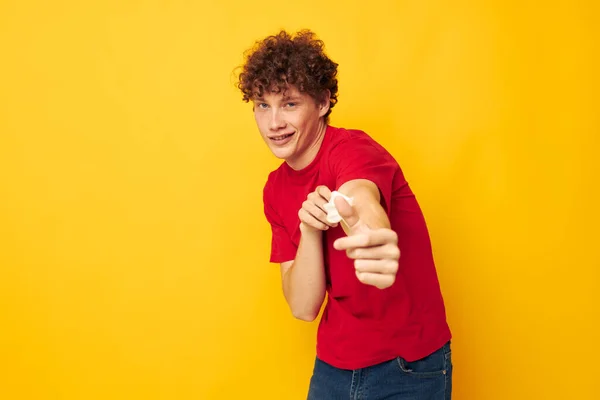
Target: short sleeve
column 362, row 158
column 282, row 247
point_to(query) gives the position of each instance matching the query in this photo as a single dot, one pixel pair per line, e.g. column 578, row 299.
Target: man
column 383, row 332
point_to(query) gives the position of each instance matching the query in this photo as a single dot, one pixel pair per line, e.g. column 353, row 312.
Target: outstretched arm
column 367, row 203
column 370, row 241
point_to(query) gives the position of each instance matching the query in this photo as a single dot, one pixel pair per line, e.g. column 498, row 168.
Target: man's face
column 290, row 122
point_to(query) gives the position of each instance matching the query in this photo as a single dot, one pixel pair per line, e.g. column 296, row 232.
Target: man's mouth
column 281, row 137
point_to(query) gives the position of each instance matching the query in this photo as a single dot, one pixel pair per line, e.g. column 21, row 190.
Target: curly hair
column 281, row 60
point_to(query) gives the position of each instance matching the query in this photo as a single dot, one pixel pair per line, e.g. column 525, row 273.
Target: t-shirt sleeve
column 282, row 247
column 359, row 158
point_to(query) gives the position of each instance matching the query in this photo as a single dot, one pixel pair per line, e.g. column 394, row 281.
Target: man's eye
column 291, row 104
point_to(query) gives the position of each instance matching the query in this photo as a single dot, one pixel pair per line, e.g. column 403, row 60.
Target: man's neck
column 311, row 152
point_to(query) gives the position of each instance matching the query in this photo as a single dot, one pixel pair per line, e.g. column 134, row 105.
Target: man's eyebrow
column 291, row 97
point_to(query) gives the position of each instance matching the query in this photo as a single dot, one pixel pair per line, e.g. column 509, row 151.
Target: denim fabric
column 427, row 379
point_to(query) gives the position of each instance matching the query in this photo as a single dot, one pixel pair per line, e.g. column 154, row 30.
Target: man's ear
column 324, row 104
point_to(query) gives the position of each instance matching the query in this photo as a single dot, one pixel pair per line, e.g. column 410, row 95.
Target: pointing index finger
column 374, row 237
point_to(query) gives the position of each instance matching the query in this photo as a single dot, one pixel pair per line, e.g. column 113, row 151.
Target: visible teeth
column 282, row 137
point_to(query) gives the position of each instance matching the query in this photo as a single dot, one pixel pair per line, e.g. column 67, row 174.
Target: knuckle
column 393, row 236
column 366, row 240
column 386, row 283
column 323, row 191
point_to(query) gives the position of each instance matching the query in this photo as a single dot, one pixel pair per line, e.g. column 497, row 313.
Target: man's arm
column 303, row 279
column 371, row 242
column 366, row 202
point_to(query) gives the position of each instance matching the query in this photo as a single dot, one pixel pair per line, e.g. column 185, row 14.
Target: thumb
column 347, row 212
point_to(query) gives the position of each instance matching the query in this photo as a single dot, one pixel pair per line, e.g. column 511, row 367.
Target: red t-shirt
column 362, row 325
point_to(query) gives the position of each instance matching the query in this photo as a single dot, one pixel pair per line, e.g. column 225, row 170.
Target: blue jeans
column 427, row 379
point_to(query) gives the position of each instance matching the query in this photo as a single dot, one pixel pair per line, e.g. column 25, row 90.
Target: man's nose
column 277, row 122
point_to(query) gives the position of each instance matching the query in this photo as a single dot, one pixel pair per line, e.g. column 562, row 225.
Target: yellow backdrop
column 133, row 249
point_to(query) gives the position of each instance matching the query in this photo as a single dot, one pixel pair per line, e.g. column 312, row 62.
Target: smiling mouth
column 282, row 137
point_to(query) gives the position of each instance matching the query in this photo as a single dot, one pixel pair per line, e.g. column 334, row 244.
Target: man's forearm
column 304, row 281
column 367, row 203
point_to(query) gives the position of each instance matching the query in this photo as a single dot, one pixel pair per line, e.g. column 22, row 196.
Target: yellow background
column 133, row 249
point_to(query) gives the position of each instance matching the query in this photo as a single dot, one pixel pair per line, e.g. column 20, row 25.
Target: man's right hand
column 313, row 216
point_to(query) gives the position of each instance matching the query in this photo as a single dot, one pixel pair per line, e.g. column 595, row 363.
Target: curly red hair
column 281, row 60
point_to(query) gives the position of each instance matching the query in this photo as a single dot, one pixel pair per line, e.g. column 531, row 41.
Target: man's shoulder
column 343, row 133
column 352, row 136
column 353, row 139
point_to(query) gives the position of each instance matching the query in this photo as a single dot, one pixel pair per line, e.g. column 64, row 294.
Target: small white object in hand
column 333, row 216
